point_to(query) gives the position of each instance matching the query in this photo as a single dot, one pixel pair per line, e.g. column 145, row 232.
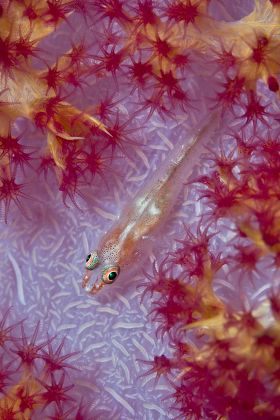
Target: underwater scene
column 139, row 209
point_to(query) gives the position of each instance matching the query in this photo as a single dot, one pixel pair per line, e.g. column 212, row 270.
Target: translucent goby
column 128, row 242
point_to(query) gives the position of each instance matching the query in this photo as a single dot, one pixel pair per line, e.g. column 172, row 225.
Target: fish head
column 99, row 272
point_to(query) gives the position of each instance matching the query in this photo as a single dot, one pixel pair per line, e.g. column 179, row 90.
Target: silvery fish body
column 131, row 235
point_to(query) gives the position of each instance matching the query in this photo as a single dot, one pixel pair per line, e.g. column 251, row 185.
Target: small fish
column 131, row 236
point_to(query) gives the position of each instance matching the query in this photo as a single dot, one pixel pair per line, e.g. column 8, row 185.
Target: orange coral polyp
column 258, row 57
column 258, row 52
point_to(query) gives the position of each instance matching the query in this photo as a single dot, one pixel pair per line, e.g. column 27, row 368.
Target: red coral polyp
column 224, row 58
column 111, row 9
column 183, row 11
column 273, row 84
column 246, row 258
column 5, row 335
column 56, row 11
column 53, row 78
column 160, row 365
column 15, row 151
column 41, row 119
column 6, row 374
column 28, row 400
column 28, row 350
column 95, row 163
column 54, row 360
column 9, row 59
column 78, row 54
column 170, row 315
column 222, row 199
column 259, row 51
column 30, row 12
column 162, row 48
column 11, row 192
column 110, row 61
column 254, row 111
column 140, row 72
column 231, row 93
column 25, row 47
column 55, row 392
column 144, row 13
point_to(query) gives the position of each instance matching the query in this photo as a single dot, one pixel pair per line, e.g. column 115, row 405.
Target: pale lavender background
column 45, row 256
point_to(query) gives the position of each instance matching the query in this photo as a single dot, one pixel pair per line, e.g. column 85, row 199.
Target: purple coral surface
column 120, row 58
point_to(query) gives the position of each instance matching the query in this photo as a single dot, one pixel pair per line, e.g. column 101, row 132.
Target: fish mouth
column 92, row 289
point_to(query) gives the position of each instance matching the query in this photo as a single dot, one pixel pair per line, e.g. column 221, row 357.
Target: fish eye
column 92, row 260
column 110, row 274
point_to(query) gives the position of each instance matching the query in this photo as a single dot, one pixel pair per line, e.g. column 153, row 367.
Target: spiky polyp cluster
column 233, row 369
column 41, row 96
column 145, row 49
column 255, row 55
column 243, row 187
column 34, row 376
column 226, row 355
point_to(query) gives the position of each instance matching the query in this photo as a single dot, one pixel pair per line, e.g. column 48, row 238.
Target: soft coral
column 28, row 350
column 56, row 392
column 54, row 360
column 11, row 191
